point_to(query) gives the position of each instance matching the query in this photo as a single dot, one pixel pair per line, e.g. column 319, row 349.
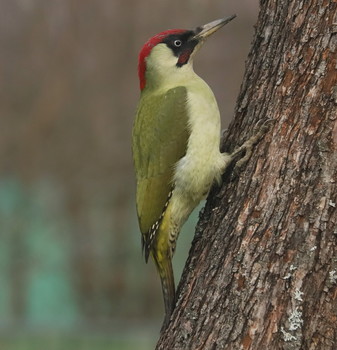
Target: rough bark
column 262, row 270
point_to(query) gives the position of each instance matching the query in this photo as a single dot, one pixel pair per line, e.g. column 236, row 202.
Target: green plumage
column 160, row 136
column 159, row 140
column 176, row 139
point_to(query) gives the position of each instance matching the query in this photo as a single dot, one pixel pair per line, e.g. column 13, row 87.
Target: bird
column 175, row 144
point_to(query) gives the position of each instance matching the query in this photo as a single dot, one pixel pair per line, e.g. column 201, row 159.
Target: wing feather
column 160, row 136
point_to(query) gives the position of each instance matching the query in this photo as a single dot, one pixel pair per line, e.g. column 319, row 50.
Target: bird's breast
column 202, row 163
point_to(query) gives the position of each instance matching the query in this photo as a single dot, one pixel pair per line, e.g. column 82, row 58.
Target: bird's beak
column 208, row 29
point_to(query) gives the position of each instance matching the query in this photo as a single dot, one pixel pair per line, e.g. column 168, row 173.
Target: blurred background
column 72, row 275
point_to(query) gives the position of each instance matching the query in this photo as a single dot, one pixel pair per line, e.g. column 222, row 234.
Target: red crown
column 146, row 50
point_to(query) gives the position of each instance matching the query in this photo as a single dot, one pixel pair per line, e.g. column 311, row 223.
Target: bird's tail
column 164, row 267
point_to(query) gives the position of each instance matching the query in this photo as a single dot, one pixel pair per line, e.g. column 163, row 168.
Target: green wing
column 160, row 136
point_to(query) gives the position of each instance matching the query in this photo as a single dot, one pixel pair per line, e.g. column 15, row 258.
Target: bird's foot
column 242, row 154
column 224, row 133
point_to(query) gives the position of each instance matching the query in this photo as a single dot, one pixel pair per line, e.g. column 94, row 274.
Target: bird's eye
column 177, row 43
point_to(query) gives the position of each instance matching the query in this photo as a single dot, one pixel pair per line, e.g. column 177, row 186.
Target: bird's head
column 169, row 54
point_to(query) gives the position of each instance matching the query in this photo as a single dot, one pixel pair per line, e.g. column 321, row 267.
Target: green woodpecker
column 176, row 143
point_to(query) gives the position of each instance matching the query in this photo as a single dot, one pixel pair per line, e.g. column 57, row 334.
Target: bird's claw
column 247, row 146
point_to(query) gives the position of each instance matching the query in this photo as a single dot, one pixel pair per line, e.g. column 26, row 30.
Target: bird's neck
column 157, row 79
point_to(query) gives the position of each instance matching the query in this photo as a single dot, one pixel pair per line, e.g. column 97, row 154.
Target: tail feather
column 164, row 267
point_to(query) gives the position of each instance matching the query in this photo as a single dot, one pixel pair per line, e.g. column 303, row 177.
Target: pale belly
column 203, row 163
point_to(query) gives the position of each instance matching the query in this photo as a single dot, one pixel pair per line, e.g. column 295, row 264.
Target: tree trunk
column 262, row 270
